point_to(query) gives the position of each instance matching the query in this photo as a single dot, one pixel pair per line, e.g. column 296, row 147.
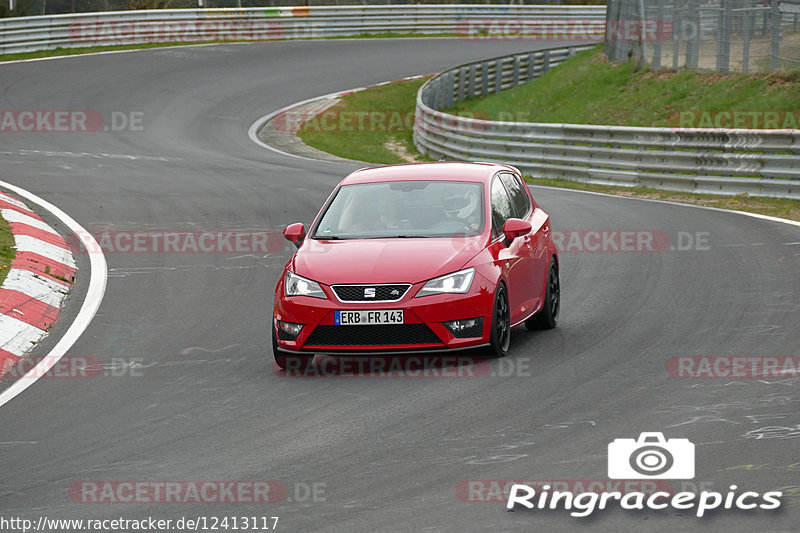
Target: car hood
column 384, row 260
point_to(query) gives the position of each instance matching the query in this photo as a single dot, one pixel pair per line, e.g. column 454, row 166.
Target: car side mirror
column 296, row 232
column 515, row 227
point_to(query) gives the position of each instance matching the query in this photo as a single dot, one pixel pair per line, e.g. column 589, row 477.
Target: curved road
column 385, row 454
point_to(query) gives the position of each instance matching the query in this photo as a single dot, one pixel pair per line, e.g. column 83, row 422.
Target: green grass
column 361, row 124
column 7, row 250
column 60, row 52
column 588, row 89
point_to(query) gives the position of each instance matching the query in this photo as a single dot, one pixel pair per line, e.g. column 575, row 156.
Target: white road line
column 258, row 124
column 745, row 213
column 94, row 297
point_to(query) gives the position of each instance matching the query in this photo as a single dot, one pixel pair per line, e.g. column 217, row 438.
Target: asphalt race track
column 202, row 401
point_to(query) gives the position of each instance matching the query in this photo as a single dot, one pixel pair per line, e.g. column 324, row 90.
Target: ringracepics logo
column 650, row 456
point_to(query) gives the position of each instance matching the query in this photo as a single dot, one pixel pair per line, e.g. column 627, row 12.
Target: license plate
column 368, row 318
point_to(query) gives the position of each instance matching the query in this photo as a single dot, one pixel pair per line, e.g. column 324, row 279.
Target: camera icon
column 651, row 457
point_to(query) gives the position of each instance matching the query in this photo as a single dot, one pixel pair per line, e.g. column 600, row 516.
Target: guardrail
column 26, row 34
column 719, row 161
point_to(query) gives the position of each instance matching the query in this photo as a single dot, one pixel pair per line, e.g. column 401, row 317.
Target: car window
column 519, row 198
column 403, row 209
column 501, row 206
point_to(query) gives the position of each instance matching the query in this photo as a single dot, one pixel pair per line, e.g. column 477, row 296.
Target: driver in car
column 462, row 205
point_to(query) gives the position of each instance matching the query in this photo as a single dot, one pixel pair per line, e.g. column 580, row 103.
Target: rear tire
column 547, row 317
column 500, row 338
column 294, row 363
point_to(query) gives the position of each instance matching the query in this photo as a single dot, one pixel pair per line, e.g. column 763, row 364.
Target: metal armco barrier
column 718, row 161
column 26, row 34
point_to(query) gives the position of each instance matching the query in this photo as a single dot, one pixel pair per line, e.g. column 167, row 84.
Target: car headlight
column 455, row 283
column 294, row 285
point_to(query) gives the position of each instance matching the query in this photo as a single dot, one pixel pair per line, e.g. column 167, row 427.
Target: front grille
column 397, row 334
column 355, row 293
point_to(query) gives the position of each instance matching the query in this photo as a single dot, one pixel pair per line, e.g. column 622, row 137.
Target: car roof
column 440, row 171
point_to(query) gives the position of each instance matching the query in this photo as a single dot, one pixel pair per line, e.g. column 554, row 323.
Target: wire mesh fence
column 716, row 35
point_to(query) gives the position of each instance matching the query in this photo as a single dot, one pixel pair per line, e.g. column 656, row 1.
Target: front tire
column 547, row 317
column 500, row 338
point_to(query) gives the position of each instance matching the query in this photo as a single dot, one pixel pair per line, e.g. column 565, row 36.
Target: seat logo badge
column 369, row 292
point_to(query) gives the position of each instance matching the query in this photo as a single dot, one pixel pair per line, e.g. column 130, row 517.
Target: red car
column 417, row 258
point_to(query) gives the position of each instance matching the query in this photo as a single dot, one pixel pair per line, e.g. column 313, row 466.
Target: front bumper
column 423, row 329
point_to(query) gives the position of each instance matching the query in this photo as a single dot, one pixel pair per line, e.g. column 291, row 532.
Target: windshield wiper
column 396, row 237
column 338, row 238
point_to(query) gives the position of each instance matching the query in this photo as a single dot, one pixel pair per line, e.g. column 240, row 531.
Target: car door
column 531, row 250
column 513, row 259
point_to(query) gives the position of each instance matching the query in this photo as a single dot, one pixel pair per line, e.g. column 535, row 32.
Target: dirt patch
column 400, row 149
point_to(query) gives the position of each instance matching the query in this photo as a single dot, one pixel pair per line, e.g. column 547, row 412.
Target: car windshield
column 403, row 209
